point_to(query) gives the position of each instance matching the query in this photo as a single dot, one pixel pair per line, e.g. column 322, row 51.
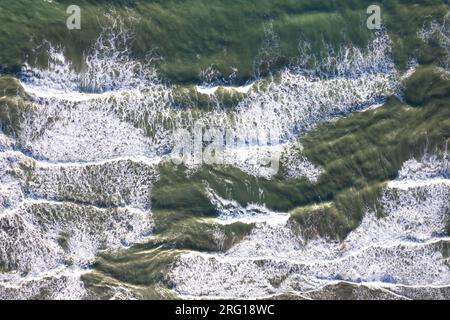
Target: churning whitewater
column 407, row 247
column 77, row 178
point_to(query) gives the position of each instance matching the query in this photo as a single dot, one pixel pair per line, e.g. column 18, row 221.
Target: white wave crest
column 404, row 247
column 45, row 237
column 230, row 211
column 131, row 113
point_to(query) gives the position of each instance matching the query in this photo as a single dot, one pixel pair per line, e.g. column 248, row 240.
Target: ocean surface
column 319, row 172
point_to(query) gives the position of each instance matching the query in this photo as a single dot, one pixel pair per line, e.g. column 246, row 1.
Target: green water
column 192, row 35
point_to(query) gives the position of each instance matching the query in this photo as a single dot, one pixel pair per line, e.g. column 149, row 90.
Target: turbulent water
column 407, row 248
column 77, row 179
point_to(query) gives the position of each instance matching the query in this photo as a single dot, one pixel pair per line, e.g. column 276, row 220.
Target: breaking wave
column 142, row 115
column 91, row 143
column 55, row 218
column 405, row 248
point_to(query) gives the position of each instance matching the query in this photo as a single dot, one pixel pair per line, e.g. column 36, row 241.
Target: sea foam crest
column 230, row 211
column 279, row 110
column 42, row 239
column 54, row 218
column 84, row 123
column 105, row 110
column 141, row 117
column 107, row 66
column 99, row 127
column 403, row 248
column 440, row 31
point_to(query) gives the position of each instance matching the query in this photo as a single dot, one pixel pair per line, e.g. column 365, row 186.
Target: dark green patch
column 12, row 106
column 187, row 97
column 176, row 191
column 338, row 218
column 144, row 270
column 179, row 230
column 426, row 84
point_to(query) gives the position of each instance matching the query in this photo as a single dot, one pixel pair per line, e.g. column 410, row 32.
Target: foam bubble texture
column 405, row 247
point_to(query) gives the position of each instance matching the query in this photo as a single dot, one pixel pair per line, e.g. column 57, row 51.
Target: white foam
column 440, row 31
column 231, row 211
column 97, row 113
column 401, row 248
column 72, row 96
column 102, row 130
column 5, row 142
column 58, row 284
column 114, row 119
column 32, row 252
column 296, row 165
column 117, row 182
column 213, row 89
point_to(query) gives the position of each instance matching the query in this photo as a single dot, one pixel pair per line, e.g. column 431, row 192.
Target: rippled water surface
column 95, row 205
